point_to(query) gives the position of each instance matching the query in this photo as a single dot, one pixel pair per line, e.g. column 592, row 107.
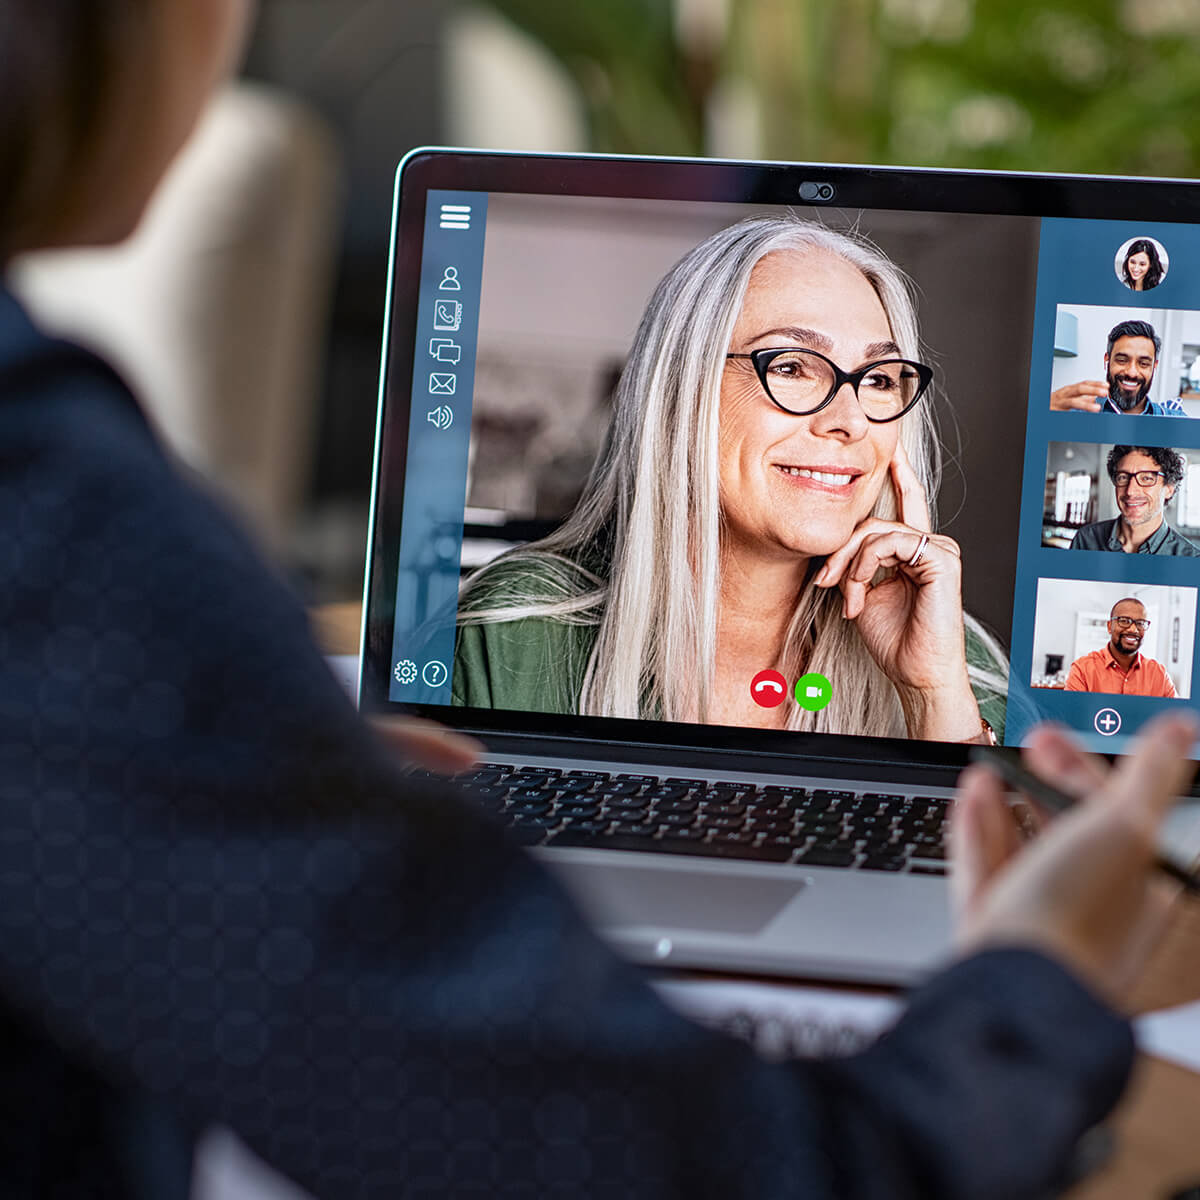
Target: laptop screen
column 667, row 457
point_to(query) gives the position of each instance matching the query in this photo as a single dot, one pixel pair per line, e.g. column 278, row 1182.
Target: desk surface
column 1158, row 1123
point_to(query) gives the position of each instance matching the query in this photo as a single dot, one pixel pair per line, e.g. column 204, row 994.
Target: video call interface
column 982, row 485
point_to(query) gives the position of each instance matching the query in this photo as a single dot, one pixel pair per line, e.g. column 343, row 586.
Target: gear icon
column 406, row 671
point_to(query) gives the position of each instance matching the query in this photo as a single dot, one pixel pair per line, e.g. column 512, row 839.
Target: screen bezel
column 855, row 187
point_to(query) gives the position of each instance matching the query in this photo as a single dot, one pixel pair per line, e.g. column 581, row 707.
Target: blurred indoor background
column 250, row 309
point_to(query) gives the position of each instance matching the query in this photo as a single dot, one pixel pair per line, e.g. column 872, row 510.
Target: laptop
column 731, row 504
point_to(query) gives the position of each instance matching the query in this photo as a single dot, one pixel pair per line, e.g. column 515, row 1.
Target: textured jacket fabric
column 221, row 901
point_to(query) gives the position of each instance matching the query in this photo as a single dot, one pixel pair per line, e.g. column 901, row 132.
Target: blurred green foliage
column 1055, row 85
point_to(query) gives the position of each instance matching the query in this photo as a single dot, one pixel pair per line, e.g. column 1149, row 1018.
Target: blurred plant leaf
column 1057, row 85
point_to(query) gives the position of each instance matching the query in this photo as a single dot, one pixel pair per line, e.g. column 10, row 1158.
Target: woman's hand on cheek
column 911, row 621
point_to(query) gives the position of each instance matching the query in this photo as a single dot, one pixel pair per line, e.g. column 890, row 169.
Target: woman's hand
column 911, row 621
column 428, row 744
column 1085, row 891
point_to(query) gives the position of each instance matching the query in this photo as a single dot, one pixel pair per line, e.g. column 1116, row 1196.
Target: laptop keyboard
column 819, row 827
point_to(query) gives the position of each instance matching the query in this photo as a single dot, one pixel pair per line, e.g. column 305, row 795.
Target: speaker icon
column 440, row 417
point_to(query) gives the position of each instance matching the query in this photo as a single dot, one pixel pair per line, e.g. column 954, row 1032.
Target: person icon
column 450, row 281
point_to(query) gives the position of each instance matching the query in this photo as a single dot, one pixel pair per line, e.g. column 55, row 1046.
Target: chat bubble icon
column 445, row 350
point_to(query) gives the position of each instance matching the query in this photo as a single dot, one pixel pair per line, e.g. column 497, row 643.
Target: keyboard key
column 784, row 795
column 622, row 787
column 587, row 825
column 882, row 862
column 530, row 808
column 485, row 777
column 720, row 794
column 574, row 786
column 835, row 844
column 827, row 858
column 532, row 793
column 922, row 869
column 722, row 823
column 770, row 827
column 577, row 810
column 725, row 810
column 671, row 845
column 776, row 812
column 666, row 792
column 641, row 779
column 545, row 772
column 732, row 838
column 672, row 819
column 595, row 776
column 636, row 828
column 829, row 796
column 486, row 793
column 677, row 806
column 936, row 853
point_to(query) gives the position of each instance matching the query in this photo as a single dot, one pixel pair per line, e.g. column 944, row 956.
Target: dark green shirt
column 537, row 664
column 1164, row 540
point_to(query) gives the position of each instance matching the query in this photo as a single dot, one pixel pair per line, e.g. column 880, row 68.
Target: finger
column 912, row 502
column 896, row 548
column 1158, row 769
column 838, row 562
column 1085, row 403
column 983, row 836
column 1052, row 753
column 429, row 745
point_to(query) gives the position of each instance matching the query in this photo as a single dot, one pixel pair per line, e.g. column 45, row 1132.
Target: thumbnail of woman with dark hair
column 1142, row 268
column 763, row 500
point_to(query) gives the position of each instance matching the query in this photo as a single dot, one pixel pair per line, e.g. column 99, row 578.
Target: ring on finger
column 916, row 558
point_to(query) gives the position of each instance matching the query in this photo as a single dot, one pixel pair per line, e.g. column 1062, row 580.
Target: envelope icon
column 442, row 383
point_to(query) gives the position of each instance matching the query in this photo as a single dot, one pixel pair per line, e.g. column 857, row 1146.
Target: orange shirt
column 1100, row 672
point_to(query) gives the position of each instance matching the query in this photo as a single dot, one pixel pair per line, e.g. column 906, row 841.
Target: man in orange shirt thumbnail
column 1120, row 666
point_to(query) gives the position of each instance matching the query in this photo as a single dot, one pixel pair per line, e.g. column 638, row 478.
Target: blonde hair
column 640, row 556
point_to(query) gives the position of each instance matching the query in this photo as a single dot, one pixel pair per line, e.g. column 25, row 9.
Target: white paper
column 1173, row 1034
column 785, row 1020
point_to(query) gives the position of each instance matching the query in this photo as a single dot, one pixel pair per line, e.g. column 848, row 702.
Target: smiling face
column 1141, row 506
column 1130, row 366
column 1137, row 265
column 1127, row 640
column 798, row 486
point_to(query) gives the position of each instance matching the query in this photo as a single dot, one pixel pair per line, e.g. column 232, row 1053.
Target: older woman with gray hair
column 762, row 501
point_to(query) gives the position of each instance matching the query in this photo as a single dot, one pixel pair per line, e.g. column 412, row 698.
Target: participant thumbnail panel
column 1111, row 638
column 1122, row 498
column 1132, row 361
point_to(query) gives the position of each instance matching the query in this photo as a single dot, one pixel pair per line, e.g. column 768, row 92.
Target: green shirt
column 537, row 664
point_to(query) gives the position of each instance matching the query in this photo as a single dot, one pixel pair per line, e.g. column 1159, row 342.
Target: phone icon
column 768, row 688
column 447, row 315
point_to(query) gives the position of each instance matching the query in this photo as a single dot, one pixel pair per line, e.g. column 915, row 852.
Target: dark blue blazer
column 220, row 901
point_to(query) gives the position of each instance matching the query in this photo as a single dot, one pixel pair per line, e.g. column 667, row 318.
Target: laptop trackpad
column 708, row 900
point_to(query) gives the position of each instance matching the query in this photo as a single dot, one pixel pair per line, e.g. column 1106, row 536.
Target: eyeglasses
column 802, row 382
column 1144, row 478
column 1127, row 622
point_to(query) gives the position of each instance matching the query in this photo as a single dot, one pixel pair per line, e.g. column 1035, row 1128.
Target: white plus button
column 1107, row 722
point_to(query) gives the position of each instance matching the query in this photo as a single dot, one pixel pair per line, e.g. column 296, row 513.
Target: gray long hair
column 640, row 557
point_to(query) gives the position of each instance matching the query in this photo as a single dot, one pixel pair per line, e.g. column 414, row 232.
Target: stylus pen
column 1055, row 801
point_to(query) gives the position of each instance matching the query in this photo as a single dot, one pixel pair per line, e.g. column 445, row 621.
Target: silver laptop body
column 522, row 294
